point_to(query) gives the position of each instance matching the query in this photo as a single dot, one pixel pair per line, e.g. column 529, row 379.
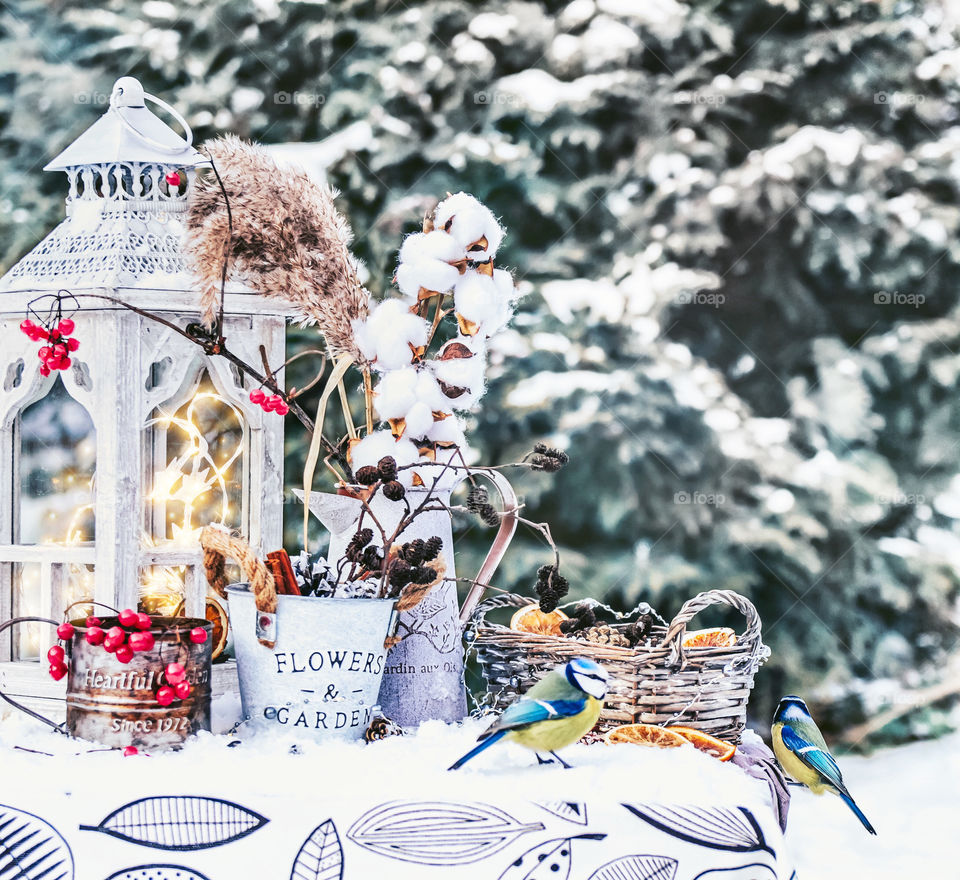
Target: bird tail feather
column 857, row 812
column 489, row 741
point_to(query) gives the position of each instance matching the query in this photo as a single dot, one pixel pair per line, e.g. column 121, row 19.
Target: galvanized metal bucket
column 321, row 678
column 115, row 704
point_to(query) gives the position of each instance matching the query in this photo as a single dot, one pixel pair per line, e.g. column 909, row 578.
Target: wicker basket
column 661, row 683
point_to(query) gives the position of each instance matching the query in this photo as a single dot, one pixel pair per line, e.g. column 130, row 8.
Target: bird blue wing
column 813, row 756
column 526, row 712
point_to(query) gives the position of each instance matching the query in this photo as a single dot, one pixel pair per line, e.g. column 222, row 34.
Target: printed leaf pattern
column 158, row 872
column 755, row 871
column 637, row 868
column 569, row 810
column 733, row 829
column 437, row 833
column 180, row 822
column 551, row 860
column 321, row 856
column 31, row 848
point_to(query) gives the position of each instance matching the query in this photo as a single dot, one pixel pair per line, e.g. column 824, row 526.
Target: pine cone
column 394, row 490
column 606, row 635
column 372, row 559
column 431, row 548
column 360, row 540
column 636, row 632
column 548, row 599
column 367, row 476
column 387, row 468
column 413, row 551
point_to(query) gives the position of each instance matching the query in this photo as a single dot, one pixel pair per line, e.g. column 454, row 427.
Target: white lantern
column 154, row 458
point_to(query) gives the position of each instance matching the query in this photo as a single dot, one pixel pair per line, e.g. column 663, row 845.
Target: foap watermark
column 499, row 98
column 95, row 99
column 898, row 99
column 690, row 97
column 299, row 99
column 901, row 499
column 896, row 298
column 701, row 298
column 708, row 499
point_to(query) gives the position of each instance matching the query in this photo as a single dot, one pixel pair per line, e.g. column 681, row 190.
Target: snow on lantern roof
column 128, row 179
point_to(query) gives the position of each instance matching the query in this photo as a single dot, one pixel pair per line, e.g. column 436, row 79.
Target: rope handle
column 219, row 544
column 692, row 607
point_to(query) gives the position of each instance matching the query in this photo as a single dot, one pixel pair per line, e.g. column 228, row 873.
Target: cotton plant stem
column 368, row 397
column 437, row 317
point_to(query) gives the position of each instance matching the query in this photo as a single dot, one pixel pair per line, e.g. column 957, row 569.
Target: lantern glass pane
column 194, row 454
column 58, row 453
column 58, row 458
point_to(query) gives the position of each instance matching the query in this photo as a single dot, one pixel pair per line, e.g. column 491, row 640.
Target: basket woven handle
column 692, row 607
column 219, row 545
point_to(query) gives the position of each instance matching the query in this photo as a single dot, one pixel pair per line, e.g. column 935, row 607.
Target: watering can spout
column 337, row 513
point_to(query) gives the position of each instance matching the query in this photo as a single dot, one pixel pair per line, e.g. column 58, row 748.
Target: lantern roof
column 130, row 132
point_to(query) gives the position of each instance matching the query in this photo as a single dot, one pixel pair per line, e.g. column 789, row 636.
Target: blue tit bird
column 801, row 751
column 559, row 709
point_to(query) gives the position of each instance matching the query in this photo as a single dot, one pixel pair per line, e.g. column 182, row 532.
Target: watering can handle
column 508, row 525
column 16, row 621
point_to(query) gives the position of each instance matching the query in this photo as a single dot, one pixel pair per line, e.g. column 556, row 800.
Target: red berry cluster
column 56, row 355
column 131, row 637
column 174, row 684
column 269, row 402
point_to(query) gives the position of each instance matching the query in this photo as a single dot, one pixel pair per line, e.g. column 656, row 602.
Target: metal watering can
column 423, row 674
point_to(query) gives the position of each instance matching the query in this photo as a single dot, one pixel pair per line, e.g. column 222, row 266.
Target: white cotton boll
column 375, row 446
column 502, row 315
column 503, row 281
column 388, row 332
column 450, row 430
column 408, row 282
column 419, row 421
column 397, row 393
column 436, row 245
column 467, row 221
column 428, row 391
column 475, row 298
column 463, row 376
column 430, row 274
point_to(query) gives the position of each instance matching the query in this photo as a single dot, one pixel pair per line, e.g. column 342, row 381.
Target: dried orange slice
column 530, row 619
column 719, row 637
column 646, row 735
column 217, row 615
column 722, row 751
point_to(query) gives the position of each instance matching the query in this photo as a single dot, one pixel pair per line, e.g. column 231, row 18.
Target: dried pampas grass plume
column 289, row 242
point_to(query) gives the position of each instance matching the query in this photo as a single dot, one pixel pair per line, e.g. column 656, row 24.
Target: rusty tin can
column 115, row 703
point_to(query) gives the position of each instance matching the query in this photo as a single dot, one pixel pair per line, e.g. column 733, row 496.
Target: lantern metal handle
column 165, row 148
column 15, row 622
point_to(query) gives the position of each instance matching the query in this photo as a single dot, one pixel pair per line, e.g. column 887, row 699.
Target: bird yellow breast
column 793, row 765
column 548, row 736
